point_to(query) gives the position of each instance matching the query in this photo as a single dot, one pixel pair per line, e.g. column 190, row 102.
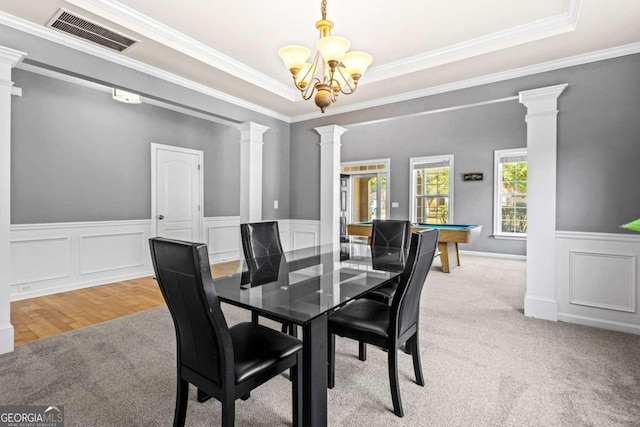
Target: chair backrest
column 260, row 239
column 184, row 276
column 405, row 306
column 391, row 233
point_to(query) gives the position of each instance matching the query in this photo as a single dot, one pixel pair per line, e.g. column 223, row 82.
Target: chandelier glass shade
column 333, row 69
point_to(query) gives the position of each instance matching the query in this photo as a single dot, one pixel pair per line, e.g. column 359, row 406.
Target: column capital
column 10, row 56
column 330, row 133
column 542, row 100
column 253, row 127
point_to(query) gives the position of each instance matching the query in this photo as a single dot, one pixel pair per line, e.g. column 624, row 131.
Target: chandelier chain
column 324, row 9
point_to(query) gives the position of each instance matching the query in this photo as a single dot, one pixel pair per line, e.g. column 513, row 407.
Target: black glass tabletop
column 299, row 285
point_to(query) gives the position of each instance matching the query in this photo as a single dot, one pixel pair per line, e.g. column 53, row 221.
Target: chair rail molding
column 330, row 183
column 9, row 58
column 542, row 140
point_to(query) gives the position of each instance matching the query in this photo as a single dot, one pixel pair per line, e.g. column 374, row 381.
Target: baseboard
column 600, row 323
column 541, row 308
column 494, row 255
column 6, row 338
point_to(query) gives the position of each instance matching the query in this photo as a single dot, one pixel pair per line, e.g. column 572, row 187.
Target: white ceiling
column 232, row 46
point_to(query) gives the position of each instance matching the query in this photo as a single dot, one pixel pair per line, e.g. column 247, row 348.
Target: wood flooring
column 41, row 317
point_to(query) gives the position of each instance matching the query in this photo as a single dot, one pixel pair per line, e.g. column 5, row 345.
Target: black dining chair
column 222, row 362
column 389, row 242
column 260, row 242
column 387, row 326
column 387, row 234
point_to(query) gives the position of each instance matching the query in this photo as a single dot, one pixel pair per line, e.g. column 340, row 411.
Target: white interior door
column 178, row 192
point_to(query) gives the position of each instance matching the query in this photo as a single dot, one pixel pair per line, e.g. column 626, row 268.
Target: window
column 510, row 200
column 432, row 189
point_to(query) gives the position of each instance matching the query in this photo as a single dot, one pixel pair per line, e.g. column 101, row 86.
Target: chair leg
column 228, row 412
column 393, row 381
column 362, row 350
column 414, row 346
column 254, row 317
column 296, row 380
column 331, row 381
column 202, row 396
column 182, row 394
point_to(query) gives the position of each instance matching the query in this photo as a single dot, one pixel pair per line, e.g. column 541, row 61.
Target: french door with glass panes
column 367, row 195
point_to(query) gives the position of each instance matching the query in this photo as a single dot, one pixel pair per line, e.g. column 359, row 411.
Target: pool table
column 450, row 236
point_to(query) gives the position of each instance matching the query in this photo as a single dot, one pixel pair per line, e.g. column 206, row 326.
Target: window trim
column 497, row 228
column 412, row 184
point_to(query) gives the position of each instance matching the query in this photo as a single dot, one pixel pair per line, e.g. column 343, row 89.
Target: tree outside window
column 511, row 192
column 431, row 189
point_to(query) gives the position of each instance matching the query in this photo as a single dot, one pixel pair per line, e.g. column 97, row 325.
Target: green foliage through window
column 513, row 197
column 432, row 195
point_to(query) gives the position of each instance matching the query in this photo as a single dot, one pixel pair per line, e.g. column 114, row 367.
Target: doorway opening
column 364, row 192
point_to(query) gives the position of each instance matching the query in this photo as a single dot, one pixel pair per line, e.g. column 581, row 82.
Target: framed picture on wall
column 473, row 176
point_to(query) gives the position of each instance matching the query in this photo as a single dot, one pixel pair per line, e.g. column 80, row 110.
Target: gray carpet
column 485, row 364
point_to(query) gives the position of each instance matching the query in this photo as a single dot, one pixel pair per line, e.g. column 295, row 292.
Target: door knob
column 160, row 216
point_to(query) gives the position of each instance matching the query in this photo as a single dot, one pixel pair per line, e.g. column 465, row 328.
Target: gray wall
column 598, row 147
column 80, row 156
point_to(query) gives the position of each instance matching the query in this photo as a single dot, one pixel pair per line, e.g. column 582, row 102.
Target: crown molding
column 154, row 30
column 571, row 15
column 510, row 37
column 102, row 53
column 601, row 55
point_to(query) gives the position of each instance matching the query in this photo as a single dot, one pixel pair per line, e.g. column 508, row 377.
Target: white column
column 330, row 183
column 251, row 171
column 542, row 137
column 9, row 58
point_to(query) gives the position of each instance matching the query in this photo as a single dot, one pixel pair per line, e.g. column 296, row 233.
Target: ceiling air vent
column 87, row 30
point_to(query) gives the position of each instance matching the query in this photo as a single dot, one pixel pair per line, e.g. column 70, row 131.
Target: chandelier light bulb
column 357, row 62
column 333, row 48
column 294, row 57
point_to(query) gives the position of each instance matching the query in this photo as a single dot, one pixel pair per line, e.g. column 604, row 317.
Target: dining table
column 302, row 287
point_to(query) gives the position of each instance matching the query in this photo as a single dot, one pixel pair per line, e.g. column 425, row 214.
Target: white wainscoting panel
column 58, row 257
column 40, row 259
column 223, row 238
column 603, row 280
column 304, row 233
column 597, row 279
column 113, row 251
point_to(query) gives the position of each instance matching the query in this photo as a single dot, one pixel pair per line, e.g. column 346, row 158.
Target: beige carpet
column 485, row 364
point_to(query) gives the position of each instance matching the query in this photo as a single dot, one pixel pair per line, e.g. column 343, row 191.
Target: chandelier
column 332, row 71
